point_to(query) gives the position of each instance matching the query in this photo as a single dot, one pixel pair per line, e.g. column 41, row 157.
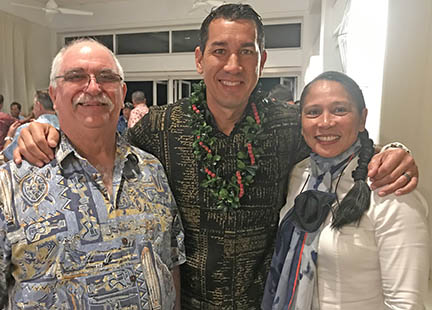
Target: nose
column 92, row 87
column 233, row 64
column 326, row 120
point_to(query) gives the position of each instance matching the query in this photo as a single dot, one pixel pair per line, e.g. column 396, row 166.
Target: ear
column 263, row 60
column 363, row 119
column 53, row 95
column 198, row 60
column 124, row 89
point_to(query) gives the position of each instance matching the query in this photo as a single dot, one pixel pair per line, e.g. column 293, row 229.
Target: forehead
column 325, row 90
column 224, row 29
column 87, row 56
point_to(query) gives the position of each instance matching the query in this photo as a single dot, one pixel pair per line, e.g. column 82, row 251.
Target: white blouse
column 383, row 263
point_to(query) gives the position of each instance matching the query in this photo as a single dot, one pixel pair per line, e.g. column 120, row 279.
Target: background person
column 6, row 120
column 339, row 246
column 43, row 112
column 281, row 93
column 123, row 119
column 229, row 201
column 140, row 109
column 15, row 110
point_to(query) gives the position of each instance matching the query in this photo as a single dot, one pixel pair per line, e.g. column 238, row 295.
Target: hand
column 386, row 171
column 35, row 144
column 13, row 128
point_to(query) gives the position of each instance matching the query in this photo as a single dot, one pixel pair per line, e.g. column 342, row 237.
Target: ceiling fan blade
column 215, row 2
column 27, row 6
column 198, row 5
column 74, row 12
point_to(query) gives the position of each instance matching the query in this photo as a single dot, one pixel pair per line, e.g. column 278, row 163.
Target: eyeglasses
column 104, row 78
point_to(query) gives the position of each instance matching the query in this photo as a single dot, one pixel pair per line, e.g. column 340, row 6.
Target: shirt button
column 124, row 241
column 133, row 278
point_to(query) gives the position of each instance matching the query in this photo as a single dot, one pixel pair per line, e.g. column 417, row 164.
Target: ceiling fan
column 51, row 7
column 205, row 4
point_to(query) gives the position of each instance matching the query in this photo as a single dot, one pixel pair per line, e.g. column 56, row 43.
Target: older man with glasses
column 97, row 227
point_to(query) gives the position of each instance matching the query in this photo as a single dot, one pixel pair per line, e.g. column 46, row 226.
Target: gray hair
column 58, row 59
column 138, row 96
column 43, row 97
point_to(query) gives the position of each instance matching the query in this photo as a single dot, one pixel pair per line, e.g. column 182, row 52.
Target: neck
column 226, row 118
column 99, row 149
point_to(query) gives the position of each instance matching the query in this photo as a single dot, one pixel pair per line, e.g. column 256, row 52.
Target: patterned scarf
column 291, row 282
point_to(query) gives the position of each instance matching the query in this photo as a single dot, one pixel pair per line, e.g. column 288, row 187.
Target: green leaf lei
column 227, row 192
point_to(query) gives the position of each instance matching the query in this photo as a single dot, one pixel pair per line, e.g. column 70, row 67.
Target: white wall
column 25, row 55
column 107, row 20
column 145, row 13
column 407, row 89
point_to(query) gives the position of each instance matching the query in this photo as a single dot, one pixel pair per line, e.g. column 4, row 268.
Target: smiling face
column 231, row 63
column 89, row 106
column 331, row 120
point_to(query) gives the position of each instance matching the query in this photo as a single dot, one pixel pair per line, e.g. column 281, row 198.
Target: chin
column 327, row 153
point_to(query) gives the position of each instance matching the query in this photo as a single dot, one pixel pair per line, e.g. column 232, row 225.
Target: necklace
column 226, row 191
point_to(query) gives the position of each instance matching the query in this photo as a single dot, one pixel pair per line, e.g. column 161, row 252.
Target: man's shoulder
column 27, row 171
column 7, row 117
column 160, row 116
column 143, row 156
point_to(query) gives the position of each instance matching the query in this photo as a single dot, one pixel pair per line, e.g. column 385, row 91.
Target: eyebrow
column 79, row 69
column 223, row 43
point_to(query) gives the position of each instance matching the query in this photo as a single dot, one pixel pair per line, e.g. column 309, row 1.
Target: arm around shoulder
column 403, row 242
column 36, row 143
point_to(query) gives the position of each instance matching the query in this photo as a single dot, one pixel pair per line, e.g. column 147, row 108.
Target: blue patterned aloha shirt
column 66, row 244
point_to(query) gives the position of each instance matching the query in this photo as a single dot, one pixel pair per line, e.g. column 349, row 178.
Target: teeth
column 230, row 83
column 327, row 138
column 89, row 104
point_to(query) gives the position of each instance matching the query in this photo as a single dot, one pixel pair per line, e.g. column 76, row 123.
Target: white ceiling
column 128, row 14
column 72, row 3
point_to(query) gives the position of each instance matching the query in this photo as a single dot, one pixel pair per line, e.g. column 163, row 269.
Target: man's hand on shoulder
column 36, row 143
column 393, row 171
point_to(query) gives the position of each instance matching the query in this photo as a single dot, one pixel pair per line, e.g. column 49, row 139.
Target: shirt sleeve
column 178, row 254
column 5, row 246
column 403, row 247
column 8, row 151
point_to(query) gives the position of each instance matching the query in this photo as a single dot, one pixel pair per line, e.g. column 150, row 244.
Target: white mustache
column 84, row 98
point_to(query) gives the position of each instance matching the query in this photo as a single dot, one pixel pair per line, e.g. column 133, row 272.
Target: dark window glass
column 284, row 35
column 185, row 40
column 145, row 86
column 106, row 40
column 161, row 91
column 143, row 43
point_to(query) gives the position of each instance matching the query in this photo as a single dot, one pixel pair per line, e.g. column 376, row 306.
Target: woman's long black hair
column 357, row 200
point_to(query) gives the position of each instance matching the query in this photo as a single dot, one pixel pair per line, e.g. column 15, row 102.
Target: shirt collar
column 65, row 149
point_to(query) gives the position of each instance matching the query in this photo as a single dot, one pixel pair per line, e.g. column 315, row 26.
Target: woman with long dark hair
column 339, row 245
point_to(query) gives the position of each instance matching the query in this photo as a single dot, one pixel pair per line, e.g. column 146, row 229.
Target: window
column 106, row 40
column 282, row 35
column 143, row 43
column 185, row 40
